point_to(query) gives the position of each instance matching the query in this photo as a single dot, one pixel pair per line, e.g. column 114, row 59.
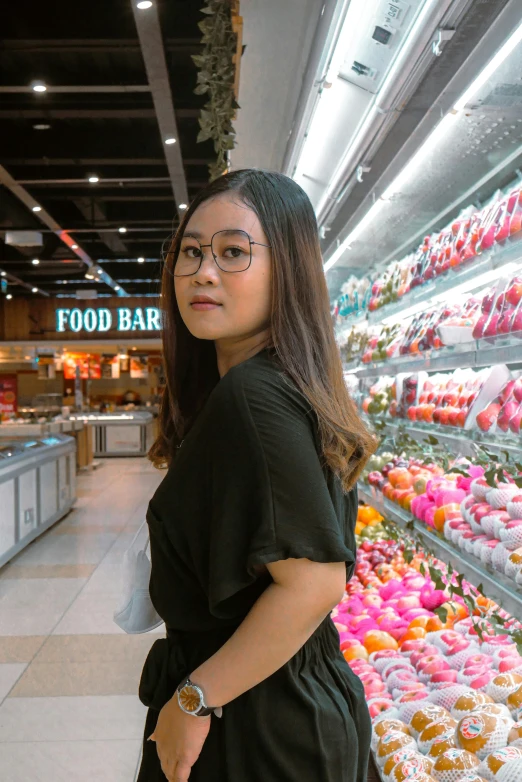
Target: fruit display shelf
column 476, row 354
column 458, row 441
column 494, row 584
column 494, row 258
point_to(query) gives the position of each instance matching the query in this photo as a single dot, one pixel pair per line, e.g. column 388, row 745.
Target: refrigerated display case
column 37, row 488
column 119, row 434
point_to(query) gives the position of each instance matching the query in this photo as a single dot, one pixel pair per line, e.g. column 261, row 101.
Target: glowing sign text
column 100, row 319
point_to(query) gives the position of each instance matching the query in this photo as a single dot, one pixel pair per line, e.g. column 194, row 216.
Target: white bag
column 136, row 613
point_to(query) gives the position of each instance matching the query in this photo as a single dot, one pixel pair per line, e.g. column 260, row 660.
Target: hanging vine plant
column 216, row 77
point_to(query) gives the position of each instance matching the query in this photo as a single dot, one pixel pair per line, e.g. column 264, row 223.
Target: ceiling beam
column 100, row 161
column 48, row 113
column 95, row 214
column 23, row 88
column 80, row 45
column 151, row 43
column 102, row 180
column 43, row 215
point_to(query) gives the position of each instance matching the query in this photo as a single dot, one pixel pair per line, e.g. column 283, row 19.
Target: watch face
column 190, row 698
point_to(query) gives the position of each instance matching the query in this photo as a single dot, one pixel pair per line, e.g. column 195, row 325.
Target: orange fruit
column 412, row 633
column 445, row 513
column 377, row 640
column 355, row 652
column 434, row 624
column 455, row 611
column 419, row 621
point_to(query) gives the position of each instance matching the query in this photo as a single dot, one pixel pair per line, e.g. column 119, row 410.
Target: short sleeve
column 271, row 497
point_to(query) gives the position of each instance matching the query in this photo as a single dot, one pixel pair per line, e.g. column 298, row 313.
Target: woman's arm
column 277, row 626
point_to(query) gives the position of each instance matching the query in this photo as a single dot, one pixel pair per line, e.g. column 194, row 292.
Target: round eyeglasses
column 231, row 250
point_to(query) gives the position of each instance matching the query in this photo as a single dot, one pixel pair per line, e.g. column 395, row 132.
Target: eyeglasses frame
column 225, row 271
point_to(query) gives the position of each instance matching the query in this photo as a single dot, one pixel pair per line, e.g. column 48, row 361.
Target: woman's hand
column 179, row 740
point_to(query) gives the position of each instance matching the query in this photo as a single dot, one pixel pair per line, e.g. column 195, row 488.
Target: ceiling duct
column 24, row 238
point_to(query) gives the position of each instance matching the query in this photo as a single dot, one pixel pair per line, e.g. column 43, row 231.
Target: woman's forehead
column 223, row 213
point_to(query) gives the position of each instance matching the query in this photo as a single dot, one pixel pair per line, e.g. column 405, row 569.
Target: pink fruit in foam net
column 514, row 507
column 506, row 414
column 479, row 489
column 498, row 498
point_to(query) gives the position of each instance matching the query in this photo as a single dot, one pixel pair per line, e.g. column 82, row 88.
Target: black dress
column 248, row 488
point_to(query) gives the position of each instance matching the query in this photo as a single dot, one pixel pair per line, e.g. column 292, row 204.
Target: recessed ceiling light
column 89, row 277
column 35, row 290
column 27, row 358
column 183, row 206
column 2, row 274
column 37, row 208
column 35, row 261
column 117, row 288
column 170, row 140
column 74, row 246
column 38, row 86
column 93, row 179
column 122, row 229
column 41, row 126
column 144, row 4
column 9, row 296
column 141, row 260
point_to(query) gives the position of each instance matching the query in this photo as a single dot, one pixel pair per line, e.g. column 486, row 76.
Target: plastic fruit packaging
column 392, row 742
column 511, row 772
column 515, row 736
column 504, row 685
column 482, row 733
column 514, row 703
column 441, row 744
column 468, row 702
column 385, row 726
column 491, row 765
column 453, row 764
column 410, row 768
column 405, row 753
column 424, row 715
column 432, row 731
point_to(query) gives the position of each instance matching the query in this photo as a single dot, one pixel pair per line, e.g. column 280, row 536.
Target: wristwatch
column 192, row 701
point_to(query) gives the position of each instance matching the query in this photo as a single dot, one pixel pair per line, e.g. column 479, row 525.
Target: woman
column 252, row 528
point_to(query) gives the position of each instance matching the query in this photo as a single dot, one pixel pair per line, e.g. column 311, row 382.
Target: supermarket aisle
column 68, row 674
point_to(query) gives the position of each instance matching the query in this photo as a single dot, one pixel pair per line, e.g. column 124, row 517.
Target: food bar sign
column 101, row 319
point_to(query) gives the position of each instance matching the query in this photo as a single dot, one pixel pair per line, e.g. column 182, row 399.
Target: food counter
column 119, row 434
column 37, row 488
column 81, row 432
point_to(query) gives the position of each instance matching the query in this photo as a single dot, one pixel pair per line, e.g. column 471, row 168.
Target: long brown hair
column 301, row 327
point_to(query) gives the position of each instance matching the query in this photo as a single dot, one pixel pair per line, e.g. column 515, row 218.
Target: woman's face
column 242, row 299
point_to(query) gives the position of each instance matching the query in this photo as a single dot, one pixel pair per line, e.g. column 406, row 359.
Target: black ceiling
column 111, row 134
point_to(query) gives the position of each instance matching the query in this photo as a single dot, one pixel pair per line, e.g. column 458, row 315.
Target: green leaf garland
column 216, row 75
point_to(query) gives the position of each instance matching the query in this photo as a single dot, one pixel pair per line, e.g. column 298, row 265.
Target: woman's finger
column 182, row 772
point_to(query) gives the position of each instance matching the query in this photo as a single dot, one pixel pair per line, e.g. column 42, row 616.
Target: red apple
column 486, row 418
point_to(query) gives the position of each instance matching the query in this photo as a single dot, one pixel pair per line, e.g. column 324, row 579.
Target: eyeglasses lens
column 231, row 250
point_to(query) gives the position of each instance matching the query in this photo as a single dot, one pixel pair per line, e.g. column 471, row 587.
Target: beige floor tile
column 77, row 678
column 9, row 674
column 67, row 550
column 63, row 761
column 80, row 528
column 93, row 717
column 90, row 613
column 12, row 571
column 96, row 648
column 20, row 649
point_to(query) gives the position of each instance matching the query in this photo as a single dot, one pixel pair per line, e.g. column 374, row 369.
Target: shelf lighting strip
column 432, row 141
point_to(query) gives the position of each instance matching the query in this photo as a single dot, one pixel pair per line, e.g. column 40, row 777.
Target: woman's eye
column 192, row 252
column 234, row 252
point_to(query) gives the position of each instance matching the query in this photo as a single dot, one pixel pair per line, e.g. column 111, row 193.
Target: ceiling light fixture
column 35, row 261
column 93, row 179
column 141, row 260
column 74, row 246
column 144, row 4
column 89, row 277
column 37, row 208
column 38, row 86
column 122, row 229
column 183, row 206
column 2, row 274
column 117, row 288
column 170, row 140
column 9, row 296
column 35, row 290
column 439, row 131
column 41, row 126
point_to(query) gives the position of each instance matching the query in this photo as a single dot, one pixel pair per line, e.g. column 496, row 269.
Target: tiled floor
column 68, row 674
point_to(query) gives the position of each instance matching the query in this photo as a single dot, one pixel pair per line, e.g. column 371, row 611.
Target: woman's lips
column 204, row 305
